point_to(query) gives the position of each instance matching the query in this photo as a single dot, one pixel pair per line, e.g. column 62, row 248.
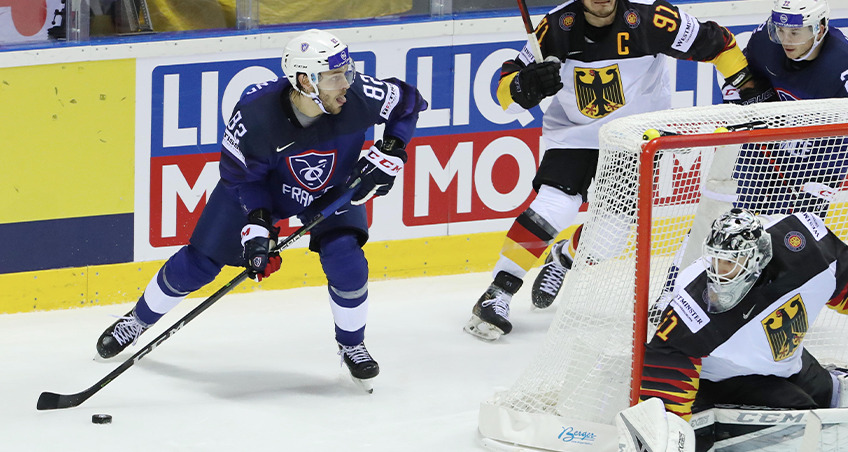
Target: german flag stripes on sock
column 527, row 239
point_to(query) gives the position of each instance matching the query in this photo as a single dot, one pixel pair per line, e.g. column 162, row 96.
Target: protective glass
column 336, row 80
column 788, row 29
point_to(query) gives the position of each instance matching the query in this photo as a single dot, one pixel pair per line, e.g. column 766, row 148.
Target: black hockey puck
column 101, row 418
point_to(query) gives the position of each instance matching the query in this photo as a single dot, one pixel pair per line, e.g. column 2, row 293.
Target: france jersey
column 800, row 173
column 824, row 77
column 268, row 160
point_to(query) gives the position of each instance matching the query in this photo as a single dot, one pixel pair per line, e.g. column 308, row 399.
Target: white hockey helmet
column 796, row 22
column 736, row 251
column 316, row 51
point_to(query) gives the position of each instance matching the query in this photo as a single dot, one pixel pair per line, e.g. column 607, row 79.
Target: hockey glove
column 257, row 238
column 534, row 83
column 744, row 88
column 378, row 169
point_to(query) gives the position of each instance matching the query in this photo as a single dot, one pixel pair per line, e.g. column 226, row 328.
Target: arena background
column 110, row 146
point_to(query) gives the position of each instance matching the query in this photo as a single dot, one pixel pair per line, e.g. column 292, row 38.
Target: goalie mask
column 736, row 251
column 798, row 23
column 315, row 53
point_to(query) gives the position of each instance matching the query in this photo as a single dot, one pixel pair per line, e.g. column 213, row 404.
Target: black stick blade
column 52, row 401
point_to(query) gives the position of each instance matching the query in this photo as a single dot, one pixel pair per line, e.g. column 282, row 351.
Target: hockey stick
column 532, row 41
column 52, row 401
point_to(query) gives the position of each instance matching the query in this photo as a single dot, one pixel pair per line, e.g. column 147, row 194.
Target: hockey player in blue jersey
column 802, row 57
column 799, row 53
column 287, row 142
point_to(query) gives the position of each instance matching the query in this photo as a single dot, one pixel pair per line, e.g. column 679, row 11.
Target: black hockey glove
column 744, row 88
column 534, row 83
column 257, row 238
column 378, row 169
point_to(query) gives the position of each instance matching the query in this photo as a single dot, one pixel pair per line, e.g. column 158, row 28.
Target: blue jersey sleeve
column 403, row 115
column 398, row 104
column 244, row 170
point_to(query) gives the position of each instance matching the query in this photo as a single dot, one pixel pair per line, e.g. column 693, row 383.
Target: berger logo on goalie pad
column 786, row 327
column 599, row 90
column 313, row 169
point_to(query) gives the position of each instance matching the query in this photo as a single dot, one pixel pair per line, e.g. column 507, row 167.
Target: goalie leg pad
column 649, row 427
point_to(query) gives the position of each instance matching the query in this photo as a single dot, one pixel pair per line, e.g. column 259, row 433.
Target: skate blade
column 365, row 385
column 100, row 359
column 482, row 330
column 540, row 304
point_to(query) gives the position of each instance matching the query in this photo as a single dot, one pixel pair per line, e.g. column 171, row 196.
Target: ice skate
column 122, row 333
column 550, row 277
column 361, row 365
column 490, row 315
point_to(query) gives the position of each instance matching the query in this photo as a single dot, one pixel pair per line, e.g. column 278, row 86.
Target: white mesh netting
column 582, row 370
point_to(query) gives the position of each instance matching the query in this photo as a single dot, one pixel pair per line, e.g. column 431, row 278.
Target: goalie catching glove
column 378, row 169
column 649, row 427
column 743, row 88
column 535, row 82
column 258, row 237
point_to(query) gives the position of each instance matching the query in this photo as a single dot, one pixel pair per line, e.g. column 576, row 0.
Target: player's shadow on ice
column 248, row 383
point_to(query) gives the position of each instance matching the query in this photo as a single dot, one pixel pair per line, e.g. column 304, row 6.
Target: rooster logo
column 312, row 169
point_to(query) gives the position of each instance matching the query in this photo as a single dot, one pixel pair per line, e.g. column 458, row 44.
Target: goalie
column 733, row 332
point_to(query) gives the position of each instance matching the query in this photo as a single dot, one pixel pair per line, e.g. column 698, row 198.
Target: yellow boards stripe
column 68, row 140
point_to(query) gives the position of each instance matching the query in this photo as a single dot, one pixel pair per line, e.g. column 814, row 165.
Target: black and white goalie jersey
column 764, row 333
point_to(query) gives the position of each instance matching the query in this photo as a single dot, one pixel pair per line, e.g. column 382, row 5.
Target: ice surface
column 259, row 372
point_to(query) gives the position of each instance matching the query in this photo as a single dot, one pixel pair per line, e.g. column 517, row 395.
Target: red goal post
column 648, row 197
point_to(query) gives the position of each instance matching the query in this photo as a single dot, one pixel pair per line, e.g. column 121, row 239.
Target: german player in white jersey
column 734, row 330
column 604, row 60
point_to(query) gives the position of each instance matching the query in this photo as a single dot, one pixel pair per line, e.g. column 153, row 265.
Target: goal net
column 776, row 158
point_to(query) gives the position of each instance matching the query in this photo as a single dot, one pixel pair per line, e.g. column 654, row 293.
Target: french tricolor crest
column 313, row 169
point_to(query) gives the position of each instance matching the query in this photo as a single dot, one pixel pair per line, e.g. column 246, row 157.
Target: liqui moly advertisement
column 471, row 164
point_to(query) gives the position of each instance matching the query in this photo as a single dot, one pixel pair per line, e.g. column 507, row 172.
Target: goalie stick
column 52, row 400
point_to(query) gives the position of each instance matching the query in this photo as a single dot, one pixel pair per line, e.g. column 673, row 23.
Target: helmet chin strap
column 315, row 98
column 318, row 102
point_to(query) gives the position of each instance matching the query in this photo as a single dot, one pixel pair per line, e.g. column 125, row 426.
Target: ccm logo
column 388, row 164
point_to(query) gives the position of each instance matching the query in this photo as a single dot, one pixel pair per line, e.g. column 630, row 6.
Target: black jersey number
column 666, row 18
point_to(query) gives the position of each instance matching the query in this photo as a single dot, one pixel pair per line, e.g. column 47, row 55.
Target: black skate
column 122, row 333
column 490, row 316
column 361, row 365
column 550, row 277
